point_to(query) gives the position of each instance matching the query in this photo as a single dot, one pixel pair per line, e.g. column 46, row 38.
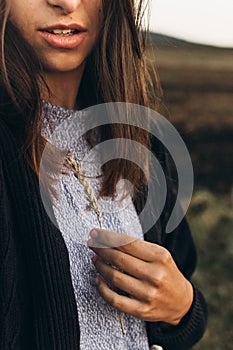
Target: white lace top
column 99, row 322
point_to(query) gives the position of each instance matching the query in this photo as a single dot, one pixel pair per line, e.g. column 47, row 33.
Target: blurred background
column 192, row 47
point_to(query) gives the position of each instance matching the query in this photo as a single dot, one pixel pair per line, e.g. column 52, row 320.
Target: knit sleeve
column 14, row 293
column 9, row 313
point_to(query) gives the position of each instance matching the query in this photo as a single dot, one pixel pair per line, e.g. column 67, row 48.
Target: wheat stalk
column 71, row 163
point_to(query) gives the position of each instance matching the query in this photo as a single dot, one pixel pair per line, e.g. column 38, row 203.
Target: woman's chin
column 60, row 65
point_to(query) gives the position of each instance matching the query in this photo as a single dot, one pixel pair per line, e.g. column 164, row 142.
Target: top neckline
column 53, row 108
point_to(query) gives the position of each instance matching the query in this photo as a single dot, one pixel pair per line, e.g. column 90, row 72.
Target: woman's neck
column 63, row 87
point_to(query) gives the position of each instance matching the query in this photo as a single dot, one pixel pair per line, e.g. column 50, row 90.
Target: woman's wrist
column 189, row 297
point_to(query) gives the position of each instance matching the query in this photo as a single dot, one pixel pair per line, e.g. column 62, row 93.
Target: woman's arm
column 182, row 248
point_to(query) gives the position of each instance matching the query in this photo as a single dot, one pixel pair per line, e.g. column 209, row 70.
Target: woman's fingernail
column 90, row 243
column 94, row 258
column 94, row 233
column 97, row 280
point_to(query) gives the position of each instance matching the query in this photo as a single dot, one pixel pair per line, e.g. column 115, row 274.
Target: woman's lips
column 63, row 42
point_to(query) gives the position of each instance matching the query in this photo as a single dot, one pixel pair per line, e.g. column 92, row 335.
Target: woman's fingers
column 128, row 284
column 131, row 265
column 166, row 295
column 122, row 303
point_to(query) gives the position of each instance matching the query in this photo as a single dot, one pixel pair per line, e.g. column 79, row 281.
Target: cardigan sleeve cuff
column 188, row 332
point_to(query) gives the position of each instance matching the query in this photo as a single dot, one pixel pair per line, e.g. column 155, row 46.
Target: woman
column 58, row 57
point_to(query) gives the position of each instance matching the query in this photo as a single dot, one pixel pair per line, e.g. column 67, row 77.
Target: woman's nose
column 66, row 6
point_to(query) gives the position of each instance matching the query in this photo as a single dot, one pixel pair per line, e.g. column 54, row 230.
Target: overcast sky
column 203, row 21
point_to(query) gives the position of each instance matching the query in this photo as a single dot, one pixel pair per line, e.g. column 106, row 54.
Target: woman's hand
column 157, row 290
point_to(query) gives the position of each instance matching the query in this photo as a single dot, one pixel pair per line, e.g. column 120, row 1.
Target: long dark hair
column 116, row 70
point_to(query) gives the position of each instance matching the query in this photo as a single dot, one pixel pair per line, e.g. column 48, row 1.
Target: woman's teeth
column 64, row 32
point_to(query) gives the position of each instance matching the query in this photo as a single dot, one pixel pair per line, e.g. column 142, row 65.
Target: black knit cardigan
column 37, row 303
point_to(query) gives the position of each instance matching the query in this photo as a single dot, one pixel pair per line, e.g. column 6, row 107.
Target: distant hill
column 162, row 40
column 197, row 85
